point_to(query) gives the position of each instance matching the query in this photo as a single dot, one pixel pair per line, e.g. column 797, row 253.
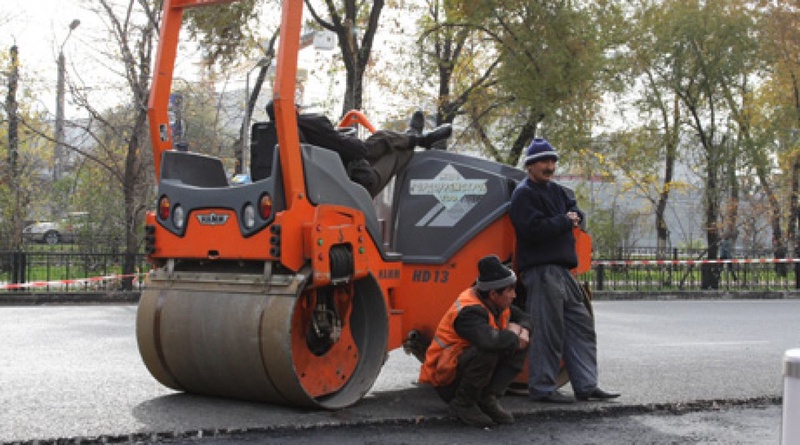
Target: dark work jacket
column 472, row 324
column 469, row 322
column 318, row 130
column 544, row 233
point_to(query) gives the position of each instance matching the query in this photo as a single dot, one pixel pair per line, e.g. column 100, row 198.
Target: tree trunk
column 710, row 280
column 355, row 53
column 672, row 138
column 13, row 150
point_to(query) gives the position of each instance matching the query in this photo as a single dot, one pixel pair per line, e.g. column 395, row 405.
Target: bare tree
column 120, row 136
column 349, row 25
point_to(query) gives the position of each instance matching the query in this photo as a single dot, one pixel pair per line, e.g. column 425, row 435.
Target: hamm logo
column 212, row 219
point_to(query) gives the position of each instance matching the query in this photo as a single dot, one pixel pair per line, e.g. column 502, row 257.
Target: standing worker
column 479, row 347
column 543, row 215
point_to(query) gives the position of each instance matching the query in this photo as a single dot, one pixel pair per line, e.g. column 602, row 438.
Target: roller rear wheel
column 283, row 342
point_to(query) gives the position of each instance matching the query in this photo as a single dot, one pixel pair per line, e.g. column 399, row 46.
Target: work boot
column 491, row 406
column 597, row 394
column 554, row 397
column 517, row 389
column 417, row 123
column 468, row 412
column 437, row 134
column 441, row 144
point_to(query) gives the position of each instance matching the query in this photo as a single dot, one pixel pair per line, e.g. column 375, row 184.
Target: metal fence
column 72, row 270
column 49, row 271
column 648, row 269
column 651, row 253
column 690, row 275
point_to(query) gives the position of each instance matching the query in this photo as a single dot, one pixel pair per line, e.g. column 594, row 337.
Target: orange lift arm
column 283, row 98
column 158, row 103
column 285, row 85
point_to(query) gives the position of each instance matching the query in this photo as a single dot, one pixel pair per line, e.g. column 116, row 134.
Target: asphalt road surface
column 690, row 372
column 733, row 425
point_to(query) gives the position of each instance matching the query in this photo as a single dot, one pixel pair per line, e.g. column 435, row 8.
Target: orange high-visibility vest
column 441, row 359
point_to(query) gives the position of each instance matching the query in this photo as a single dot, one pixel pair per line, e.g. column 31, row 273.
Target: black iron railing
column 681, row 275
column 68, row 271
column 57, row 270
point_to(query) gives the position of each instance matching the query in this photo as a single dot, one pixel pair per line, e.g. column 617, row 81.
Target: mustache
column 549, row 171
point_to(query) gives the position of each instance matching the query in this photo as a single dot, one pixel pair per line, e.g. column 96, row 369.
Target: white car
column 49, row 233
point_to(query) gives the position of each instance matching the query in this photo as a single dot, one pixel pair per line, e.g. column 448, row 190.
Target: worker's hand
column 524, row 339
column 575, row 217
column 522, row 334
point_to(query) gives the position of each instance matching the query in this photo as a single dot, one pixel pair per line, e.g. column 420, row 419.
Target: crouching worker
column 479, row 347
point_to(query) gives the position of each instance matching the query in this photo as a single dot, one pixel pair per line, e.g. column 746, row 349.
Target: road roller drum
column 276, row 343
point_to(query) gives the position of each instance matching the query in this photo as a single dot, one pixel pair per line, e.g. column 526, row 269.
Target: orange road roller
column 291, row 289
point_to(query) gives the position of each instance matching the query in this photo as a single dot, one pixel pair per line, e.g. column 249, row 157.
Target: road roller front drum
column 284, row 342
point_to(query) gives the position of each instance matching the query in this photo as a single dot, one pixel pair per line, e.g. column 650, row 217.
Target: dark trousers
column 563, row 328
column 389, row 153
column 482, row 371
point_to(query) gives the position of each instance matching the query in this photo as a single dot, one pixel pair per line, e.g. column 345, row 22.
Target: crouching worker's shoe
column 491, row 406
column 469, row 413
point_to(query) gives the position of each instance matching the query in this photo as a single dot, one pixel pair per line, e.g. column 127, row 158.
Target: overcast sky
column 38, row 27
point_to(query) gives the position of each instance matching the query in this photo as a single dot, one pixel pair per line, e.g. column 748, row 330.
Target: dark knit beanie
column 492, row 274
column 539, row 149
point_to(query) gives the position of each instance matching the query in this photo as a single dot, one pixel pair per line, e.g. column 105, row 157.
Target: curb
column 242, row 434
column 132, row 297
column 695, row 295
column 55, row 298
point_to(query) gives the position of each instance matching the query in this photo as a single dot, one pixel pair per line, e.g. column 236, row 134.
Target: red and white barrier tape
column 693, row 262
column 35, row 284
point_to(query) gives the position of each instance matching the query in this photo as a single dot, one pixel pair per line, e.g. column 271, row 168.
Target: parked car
column 48, row 232
column 63, row 231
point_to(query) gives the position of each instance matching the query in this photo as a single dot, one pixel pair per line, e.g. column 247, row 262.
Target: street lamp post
column 59, row 150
